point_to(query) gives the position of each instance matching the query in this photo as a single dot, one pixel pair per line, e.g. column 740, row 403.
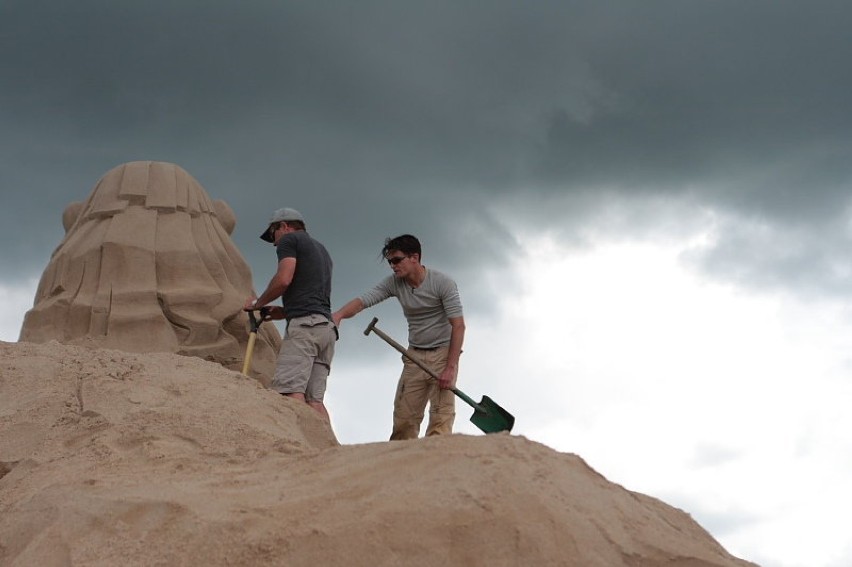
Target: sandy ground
column 113, row 458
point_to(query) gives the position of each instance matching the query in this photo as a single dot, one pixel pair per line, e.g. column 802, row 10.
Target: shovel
column 255, row 323
column 487, row 415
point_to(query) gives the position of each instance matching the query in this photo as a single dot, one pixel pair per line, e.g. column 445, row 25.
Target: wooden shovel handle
column 413, row 358
column 405, row 352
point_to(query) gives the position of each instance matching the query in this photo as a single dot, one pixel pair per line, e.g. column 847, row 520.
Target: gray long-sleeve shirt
column 427, row 308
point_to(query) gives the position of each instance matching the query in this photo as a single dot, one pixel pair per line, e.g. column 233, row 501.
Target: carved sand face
column 148, row 265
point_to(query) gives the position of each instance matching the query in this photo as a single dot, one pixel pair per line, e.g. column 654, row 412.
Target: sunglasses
column 394, row 260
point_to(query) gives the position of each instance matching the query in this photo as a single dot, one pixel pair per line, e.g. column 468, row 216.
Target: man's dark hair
column 405, row 243
column 297, row 224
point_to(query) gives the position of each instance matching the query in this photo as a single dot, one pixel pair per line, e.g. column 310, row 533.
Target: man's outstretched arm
column 349, row 310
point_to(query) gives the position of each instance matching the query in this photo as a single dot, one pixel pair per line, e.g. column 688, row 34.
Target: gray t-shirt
column 427, row 308
column 310, row 290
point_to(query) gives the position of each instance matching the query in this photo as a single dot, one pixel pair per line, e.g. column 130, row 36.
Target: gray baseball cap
column 281, row 215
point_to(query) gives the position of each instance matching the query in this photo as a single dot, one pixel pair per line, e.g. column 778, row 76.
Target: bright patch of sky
column 727, row 403
column 15, row 300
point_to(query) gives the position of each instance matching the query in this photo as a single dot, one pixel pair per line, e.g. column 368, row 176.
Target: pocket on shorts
column 312, row 321
column 316, row 326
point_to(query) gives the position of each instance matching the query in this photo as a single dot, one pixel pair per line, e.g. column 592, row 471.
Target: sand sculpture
column 148, row 265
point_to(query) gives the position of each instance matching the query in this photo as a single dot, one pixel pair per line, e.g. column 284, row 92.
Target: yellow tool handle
column 249, row 350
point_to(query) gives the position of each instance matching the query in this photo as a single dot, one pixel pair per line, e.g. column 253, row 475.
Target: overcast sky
column 646, row 206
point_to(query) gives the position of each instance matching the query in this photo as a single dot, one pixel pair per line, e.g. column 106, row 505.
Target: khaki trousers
column 415, row 389
column 304, row 359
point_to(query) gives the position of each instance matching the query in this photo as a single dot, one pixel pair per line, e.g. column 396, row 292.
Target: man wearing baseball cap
column 303, row 281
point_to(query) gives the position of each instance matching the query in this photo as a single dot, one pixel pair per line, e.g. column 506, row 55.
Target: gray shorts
column 304, row 360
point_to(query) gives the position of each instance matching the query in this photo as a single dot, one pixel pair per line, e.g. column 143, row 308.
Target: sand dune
column 115, row 458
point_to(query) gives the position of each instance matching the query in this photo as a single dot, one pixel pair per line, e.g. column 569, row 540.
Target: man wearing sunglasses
column 303, row 281
column 431, row 305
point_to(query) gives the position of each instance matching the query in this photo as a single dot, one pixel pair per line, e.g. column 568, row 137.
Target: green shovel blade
column 491, row 418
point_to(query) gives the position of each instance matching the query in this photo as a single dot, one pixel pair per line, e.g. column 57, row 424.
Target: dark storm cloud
column 377, row 118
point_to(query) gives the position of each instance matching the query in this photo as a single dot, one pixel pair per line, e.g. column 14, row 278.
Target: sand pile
column 114, row 458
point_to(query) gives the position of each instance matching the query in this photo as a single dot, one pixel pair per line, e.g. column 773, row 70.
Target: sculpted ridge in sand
column 114, row 458
column 148, row 265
